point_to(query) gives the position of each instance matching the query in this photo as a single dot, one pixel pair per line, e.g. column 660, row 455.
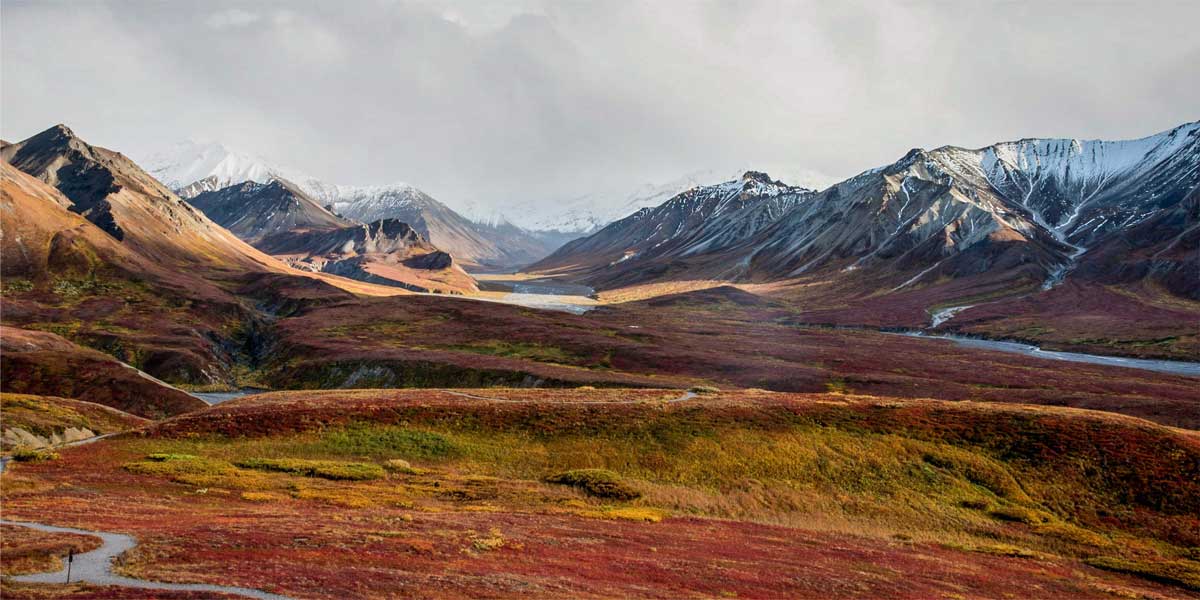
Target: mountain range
column 192, row 168
column 1012, row 217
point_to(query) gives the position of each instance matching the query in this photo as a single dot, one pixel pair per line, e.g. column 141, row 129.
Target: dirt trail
column 96, row 566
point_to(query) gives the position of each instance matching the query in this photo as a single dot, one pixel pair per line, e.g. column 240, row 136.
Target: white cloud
column 536, row 101
column 231, row 18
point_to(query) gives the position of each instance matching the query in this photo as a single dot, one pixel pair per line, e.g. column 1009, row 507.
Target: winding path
column 96, row 566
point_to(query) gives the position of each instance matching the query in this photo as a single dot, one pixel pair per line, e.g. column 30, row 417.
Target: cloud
column 522, row 100
column 231, row 18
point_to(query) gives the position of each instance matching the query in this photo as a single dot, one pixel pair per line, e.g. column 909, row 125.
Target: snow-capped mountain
column 722, row 213
column 193, row 168
column 1030, row 209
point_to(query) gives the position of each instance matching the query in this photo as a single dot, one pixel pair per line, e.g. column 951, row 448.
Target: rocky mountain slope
column 1031, row 211
column 115, row 194
column 253, row 211
column 700, row 219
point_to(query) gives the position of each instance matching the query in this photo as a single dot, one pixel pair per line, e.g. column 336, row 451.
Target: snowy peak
column 211, row 165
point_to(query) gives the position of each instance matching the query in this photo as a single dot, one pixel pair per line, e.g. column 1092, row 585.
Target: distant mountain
column 253, row 210
column 282, row 220
column 192, row 169
column 1030, row 211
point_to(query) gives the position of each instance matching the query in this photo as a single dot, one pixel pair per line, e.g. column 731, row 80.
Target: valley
column 251, row 383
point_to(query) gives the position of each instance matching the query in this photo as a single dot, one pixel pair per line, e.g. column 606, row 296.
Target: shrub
column 399, row 465
column 975, row 504
column 28, row 455
column 597, row 482
column 636, row 513
column 704, row 389
column 164, row 456
column 1018, row 514
column 1179, row 572
column 336, row 497
column 172, row 465
column 325, row 469
column 1071, row 533
column 493, row 541
column 13, row 286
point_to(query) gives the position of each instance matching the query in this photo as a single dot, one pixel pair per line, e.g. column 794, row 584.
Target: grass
column 410, row 443
column 526, row 350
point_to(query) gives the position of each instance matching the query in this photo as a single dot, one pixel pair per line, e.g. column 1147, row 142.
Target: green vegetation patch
column 601, row 483
column 325, row 469
column 410, row 443
column 173, row 465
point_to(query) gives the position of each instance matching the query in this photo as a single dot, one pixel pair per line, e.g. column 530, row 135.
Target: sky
column 508, row 102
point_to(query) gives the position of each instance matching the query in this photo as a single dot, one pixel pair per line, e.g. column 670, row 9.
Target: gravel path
column 96, row 566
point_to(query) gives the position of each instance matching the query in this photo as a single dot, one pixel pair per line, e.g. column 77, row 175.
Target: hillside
column 112, row 260
column 620, row 493
column 44, row 364
column 47, row 421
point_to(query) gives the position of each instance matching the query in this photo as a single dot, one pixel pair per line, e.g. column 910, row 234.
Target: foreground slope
column 619, row 493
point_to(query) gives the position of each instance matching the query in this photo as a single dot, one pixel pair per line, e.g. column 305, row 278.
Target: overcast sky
column 502, row 101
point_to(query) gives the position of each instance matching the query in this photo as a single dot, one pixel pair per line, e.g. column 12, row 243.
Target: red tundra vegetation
column 392, row 493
